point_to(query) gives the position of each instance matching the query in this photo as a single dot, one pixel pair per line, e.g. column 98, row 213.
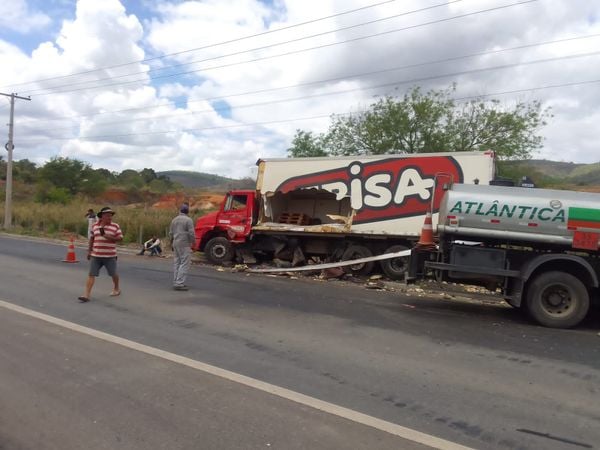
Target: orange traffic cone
column 426, row 239
column 71, row 257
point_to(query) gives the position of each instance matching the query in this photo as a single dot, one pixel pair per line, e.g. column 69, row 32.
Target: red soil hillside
column 203, row 201
column 197, row 202
column 114, row 197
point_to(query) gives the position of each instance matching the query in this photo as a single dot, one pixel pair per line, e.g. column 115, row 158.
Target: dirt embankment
column 199, row 202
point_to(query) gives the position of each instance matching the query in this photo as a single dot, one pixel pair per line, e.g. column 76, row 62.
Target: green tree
column 25, row 171
column 159, row 186
column 94, row 182
column 415, row 124
column 130, row 179
column 304, row 144
column 107, row 175
column 430, row 122
column 64, row 173
column 148, row 175
column 511, row 133
column 166, row 179
column 47, row 192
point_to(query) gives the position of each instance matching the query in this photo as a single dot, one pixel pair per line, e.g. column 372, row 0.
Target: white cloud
column 101, row 35
column 18, row 16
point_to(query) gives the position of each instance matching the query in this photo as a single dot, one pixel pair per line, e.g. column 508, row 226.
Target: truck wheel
column 557, row 300
column 395, row 268
column 357, row 252
column 218, row 250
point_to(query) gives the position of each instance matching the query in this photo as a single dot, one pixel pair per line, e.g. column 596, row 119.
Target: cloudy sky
column 214, row 85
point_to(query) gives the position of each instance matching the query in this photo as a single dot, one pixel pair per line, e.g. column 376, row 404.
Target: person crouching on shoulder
column 152, row 245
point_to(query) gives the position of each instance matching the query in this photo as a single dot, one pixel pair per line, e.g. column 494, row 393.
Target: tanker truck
column 538, row 247
column 334, row 208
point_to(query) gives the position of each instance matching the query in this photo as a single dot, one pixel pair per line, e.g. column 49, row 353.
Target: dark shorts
column 97, row 263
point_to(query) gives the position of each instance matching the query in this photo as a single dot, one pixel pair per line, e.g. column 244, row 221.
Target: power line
column 196, row 129
column 209, row 45
column 279, row 55
column 188, row 130
column 277, row 44
column 329, row 80
column 395, row 83
column 346, row 91
column 520, row 91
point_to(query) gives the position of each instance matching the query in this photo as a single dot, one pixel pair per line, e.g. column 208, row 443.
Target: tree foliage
column 107, row 175
column 131, row 179
column 94, row 183
column 148, row 175
column 64, row 173
column 422, row 122
column 46, row 192
column 61, row 179
column 305, row 144
column 25, row 171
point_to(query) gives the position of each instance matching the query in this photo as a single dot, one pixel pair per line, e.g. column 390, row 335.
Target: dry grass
column 57, row 220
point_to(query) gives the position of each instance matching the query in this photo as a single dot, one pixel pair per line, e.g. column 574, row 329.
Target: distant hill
column 553, row 173
column 199, row 180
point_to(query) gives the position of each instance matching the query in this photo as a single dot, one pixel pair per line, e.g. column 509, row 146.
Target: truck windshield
column 236, row 202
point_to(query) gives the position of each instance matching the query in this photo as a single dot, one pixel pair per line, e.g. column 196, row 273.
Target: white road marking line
column 330, row 408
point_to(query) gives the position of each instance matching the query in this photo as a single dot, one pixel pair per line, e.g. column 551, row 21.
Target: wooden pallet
column 294, row 218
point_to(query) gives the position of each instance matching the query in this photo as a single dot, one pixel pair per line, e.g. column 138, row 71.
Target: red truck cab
column 216, row 232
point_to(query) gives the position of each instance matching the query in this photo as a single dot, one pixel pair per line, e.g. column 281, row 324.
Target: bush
column 52, row 218
column 59, row 195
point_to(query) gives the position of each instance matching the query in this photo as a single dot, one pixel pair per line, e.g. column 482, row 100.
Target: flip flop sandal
column 115, row 293
column 83, row 299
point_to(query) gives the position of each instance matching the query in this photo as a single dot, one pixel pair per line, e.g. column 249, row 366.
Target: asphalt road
column 476, row 374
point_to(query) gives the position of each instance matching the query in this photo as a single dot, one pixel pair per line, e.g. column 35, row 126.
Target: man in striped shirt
column 102, row 251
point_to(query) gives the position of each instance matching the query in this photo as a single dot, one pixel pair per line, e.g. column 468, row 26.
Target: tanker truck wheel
column 357, row 252
column 557, row 300
column 395, row 268
column 218, row 250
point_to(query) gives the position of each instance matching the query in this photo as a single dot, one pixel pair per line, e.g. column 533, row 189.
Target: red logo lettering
column 384, row 189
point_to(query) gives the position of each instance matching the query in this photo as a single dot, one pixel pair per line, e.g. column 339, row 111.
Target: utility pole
column 9, row 148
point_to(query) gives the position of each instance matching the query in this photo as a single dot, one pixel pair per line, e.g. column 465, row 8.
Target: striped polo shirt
column 102, row 247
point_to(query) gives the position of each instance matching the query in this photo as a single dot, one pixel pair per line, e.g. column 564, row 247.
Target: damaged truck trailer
column 336, row 208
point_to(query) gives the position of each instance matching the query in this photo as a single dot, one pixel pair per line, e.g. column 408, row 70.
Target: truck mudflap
column 332, row 265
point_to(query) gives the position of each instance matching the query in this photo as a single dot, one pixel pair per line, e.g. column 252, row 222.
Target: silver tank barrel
column 523, row 214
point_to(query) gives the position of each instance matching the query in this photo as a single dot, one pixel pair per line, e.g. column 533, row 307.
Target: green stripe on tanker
column 584, row 214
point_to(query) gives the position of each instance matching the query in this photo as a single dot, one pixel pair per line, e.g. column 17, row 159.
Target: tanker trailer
column 538, row 246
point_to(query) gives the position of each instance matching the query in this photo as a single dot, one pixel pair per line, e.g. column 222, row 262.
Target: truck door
column 236, row 216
